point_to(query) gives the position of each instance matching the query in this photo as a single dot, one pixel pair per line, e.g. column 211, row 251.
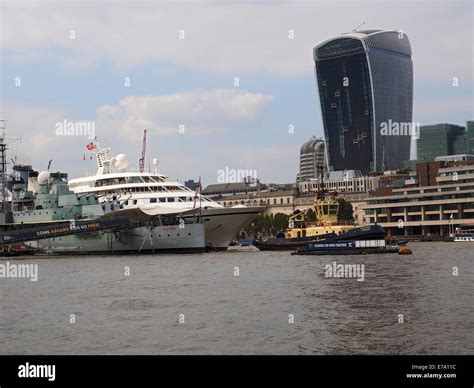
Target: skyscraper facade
column 365, row 84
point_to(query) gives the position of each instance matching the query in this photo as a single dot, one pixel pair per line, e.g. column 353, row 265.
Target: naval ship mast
column 5, row 206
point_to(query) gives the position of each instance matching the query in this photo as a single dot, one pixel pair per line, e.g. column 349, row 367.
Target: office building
column 312, row 159
column 365, row 84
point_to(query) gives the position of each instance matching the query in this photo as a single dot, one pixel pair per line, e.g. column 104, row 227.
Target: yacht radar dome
column 121, row 162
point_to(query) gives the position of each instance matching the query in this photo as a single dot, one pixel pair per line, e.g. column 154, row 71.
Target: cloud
column 233, row 38
column 36, row 128
column 431, row 110
column 276, row 163
column 194, row 113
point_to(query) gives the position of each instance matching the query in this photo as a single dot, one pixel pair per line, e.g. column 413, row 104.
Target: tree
column 311, row 214
column 266, row 225
column 346, row 212
column 280, row 221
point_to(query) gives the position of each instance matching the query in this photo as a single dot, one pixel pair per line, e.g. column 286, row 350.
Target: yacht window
column 134, row 201
column 162, row 199
column 152, row 200
column 171, row 199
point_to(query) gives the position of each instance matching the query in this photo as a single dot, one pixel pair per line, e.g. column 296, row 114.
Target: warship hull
column 160, row 239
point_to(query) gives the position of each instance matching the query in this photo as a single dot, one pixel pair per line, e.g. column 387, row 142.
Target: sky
column 218, row 85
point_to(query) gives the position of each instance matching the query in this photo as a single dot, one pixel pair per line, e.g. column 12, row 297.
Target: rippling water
column 245, row 314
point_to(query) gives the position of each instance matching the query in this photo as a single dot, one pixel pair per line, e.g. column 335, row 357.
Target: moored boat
column 348, row 247
column 464, row 234
column 43, row 201
column 302, row 232
column 114, row 180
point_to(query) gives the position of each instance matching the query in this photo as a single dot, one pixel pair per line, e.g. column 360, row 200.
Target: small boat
column 463, row 234
column 400, row 242
column 242, row 248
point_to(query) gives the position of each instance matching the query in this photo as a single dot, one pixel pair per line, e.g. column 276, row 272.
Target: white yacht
column 115, row 182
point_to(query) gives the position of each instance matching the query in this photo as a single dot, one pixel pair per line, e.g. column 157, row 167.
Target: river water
column 242, row 303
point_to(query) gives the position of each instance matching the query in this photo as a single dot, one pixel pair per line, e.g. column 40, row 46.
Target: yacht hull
column 223, row 224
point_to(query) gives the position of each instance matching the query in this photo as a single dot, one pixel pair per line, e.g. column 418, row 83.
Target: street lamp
column 451, row 225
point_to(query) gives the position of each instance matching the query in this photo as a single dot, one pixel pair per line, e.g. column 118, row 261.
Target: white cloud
column 435, row 109
column 200, row 112
column 35, row 126
column 274, row 163
column 234, row 38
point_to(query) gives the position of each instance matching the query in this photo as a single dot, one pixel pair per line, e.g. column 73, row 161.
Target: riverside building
column 446, row 201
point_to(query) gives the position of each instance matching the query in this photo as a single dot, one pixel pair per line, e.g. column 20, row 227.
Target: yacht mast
column 141, row 162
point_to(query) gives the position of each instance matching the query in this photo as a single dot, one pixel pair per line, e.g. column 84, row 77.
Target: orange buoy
column 405, row 251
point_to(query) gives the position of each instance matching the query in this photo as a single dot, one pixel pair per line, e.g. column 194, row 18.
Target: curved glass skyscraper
column 365, row 83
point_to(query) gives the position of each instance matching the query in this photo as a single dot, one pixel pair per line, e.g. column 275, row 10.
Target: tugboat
column 302, row 232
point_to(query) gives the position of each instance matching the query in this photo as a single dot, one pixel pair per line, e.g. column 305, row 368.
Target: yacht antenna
column 359, row 26
column 141, row 162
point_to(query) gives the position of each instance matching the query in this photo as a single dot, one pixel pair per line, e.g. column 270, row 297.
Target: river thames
column 242, row 303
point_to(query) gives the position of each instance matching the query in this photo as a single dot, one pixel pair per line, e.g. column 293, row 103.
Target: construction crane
column 141, row 162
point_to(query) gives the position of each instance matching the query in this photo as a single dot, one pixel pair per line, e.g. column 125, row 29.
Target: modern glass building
column 444, row 139
column 470, row 135
column 365, row 81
